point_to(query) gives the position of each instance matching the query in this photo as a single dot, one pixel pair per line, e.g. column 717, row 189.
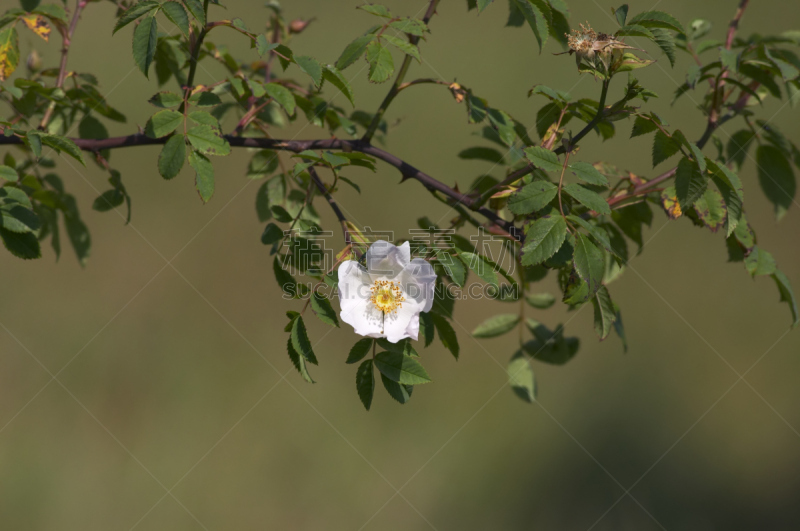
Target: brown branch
column 407, row 170
column 734, row 25
column 66, row 37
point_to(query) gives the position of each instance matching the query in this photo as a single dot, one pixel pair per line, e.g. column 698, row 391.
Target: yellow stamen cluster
column 386, row 296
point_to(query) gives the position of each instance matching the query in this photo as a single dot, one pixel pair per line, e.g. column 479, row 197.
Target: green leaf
column 263, row 45
column 776, row 178
column 598, row 233
column 699, row 158
column 541, row 301
column 134, row 12
column 738, row 145
column 208, row 140
column 282, row 95
column 300, row 341
column 204, row 118
column 588, row 173
column 166, row 100
column 622, row 14
column 497, row 325
column 711, row 209
column 145, row 39
column 480, row 266
column 163, row 123
column 787, row 295
column 322, row 307
column 376, row 9
column 760, row 262
column 664, row 147
column 543, row 238
column 335, row 78
column 446, row 334
column 365, row 383
column 34, row 141
column 17, row 218
column 401, row 347
column 359, row 350
column 195, row 7
column 401, row 368
column 21, row 245
column 481, row 153
column 204, row 99
column 299, row 362
column 427, row 329
column 9, row 52
column 177, row 16
column 172, row 156
column 664, row 39
column 404, row 46
column 520, row 377
column 543, row 158
column 532, row 197
column 272, row 234
column 532, row 12
column 482, row 4
column 453, row 267
column 9, row 174
column 589, row 263
column 62, row 144
column 642, row 126
column 657, row 19
column 400, row 392
column 353, row 51
column 690, row 183
column 634, row 30
column 589, row 199
column 310, row 66
column 604, row 313
column 108, row 200
column 729, row 59
column 381, row 64
column 412, row 26
column 204, row 178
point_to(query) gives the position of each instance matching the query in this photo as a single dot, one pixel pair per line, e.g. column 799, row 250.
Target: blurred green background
column 169, row 411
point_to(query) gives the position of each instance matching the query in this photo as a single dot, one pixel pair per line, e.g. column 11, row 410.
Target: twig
column 62, row 70
column 398, row 81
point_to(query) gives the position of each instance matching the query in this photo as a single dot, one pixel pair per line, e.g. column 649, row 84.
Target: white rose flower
column 386, row 298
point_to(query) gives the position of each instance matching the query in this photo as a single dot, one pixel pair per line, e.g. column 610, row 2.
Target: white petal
column 418, row 281
column 385, row 260
column 354, row 293
column 403, row 323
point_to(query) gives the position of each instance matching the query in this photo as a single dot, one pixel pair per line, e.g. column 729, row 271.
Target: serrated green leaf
column 282, row 95
column 543, row 158
column 300, row 341
column 604, row 313
column 729, row 59
column 9, row 52
column 134, row 12
column 588, row 198
column 400, row 392
column 21, row 245
column 335, row 78
column 536, row 19
column 404, row 46
column 621, row 14
column 497, row 325
column 634, row 30
column 657, row 19
column 359, row 350
column 588, row 173
column 543, row 238
column 738, row 145
column 310, row 66
column 690, row 183
column 204, row 175
column 8, row 173
column 541, row 301
column 145, row 39
column 412, row 26
column 401, row 368
column 381, row 64
column 62, row 144
column 664, row 147
column 353, row 51
column 163, row 123
column 480, row 266
column 589, row 263
column 177, row 15
column 787, row 295
column 204, row 99
column 172, row 156
column 166, row 100
column 520, row 377
column 597, row 233
column 208, row 140
column 711, row 209
column 195, row 7
column 446, row 333
column 642, row 126
column 664, row 39
column 532, row 197
column 776, row 178
column 299, row 362
column 760, row 262
column 272, row 234
column 365, row 383
column 322, row 307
